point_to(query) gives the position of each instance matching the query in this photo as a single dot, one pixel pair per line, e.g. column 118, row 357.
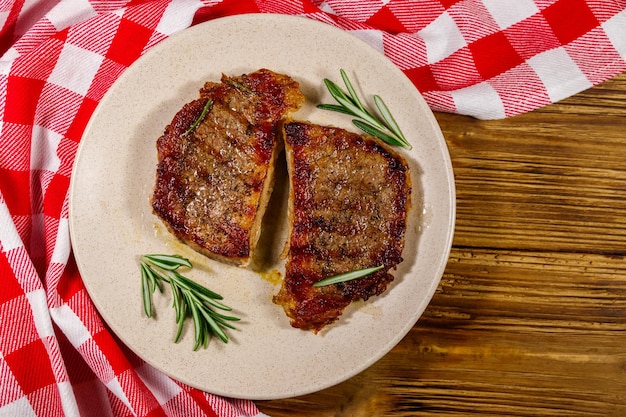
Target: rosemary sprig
column 200, row 118
column 190, row 299
column 238, row 85
column 386, row 129
column 348, row 276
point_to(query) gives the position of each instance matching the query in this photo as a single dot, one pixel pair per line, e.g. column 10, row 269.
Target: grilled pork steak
column 349, row 198
column 215, row 171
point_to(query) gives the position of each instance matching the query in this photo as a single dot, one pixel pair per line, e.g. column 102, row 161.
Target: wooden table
column 530, row 316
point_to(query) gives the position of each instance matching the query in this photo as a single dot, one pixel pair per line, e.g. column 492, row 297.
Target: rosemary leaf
column 213, row 303
column 374, row 131
column 390, row 121
column 386, row 129
column 206, row 337
column 173, row 261
column 353, row 94
column 349, row 105
column 223, row 322
column 199, row 120
column 348, row 276
column 189, row 299
column 215, row 328
column 176, row 301
column 238, row 86
column 346, row 102
column 196, row 295
column 152, row 278
column 225, row 317
column 181, row 320
column 335, row 108
column 146, row 293
column 195, row 287
column 197, row 326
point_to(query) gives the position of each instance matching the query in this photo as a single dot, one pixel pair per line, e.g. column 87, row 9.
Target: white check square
column 178, row 16
column 442, row 38
column 507, row 13
column 21, row 408
column 9, row 237
column 38, row 304
column 71, row 325
column 67, row 13
column 61, row 252
column 163, row 388
column 615, row 29
column 550, row 67
column 75, row 69
column 479, row 99
column 43, row 153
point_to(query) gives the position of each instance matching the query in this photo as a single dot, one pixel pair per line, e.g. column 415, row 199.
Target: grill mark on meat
column 349, row 199
column 213, row 184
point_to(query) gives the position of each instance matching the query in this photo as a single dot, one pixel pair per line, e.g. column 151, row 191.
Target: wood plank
column 564, row 177
column 507, row 333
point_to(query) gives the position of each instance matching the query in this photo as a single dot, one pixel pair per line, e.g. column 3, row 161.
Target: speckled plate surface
column 112, row 224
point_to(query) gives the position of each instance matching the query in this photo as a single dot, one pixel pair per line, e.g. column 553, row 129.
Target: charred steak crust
column 349, row 200
column 213, row 183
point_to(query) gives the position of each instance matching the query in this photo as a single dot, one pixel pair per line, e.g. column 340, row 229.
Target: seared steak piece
column 349, row 198
column 215, row 163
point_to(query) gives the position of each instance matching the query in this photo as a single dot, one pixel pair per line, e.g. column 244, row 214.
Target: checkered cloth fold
column 485, row 58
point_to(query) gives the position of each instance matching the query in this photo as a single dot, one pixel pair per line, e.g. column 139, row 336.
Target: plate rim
column 451, row 198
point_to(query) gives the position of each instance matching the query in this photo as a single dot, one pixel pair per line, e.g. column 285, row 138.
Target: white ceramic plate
column 112, row 224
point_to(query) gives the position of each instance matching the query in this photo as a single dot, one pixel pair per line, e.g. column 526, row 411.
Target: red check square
column 129, row 42
column 415, row 15
column 30, row 366
column 55, row 195
column 19, row 183
column 423, row 78
column 110, row 350
column 570, row 19
column 494, row 55
column 225, row 8
column 70, row 284
column 10, row 287
column 23, row 94
column 384, row 19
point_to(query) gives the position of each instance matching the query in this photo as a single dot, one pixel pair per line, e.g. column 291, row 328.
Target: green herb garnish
column 386, row 130
column 348, row 276
column 238, row 85
column 200, row 118
column 190, row 299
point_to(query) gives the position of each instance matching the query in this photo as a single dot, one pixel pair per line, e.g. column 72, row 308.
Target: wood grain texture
column 530, row 316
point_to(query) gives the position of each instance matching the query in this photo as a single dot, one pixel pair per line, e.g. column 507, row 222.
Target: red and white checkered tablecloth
column 485, row 58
